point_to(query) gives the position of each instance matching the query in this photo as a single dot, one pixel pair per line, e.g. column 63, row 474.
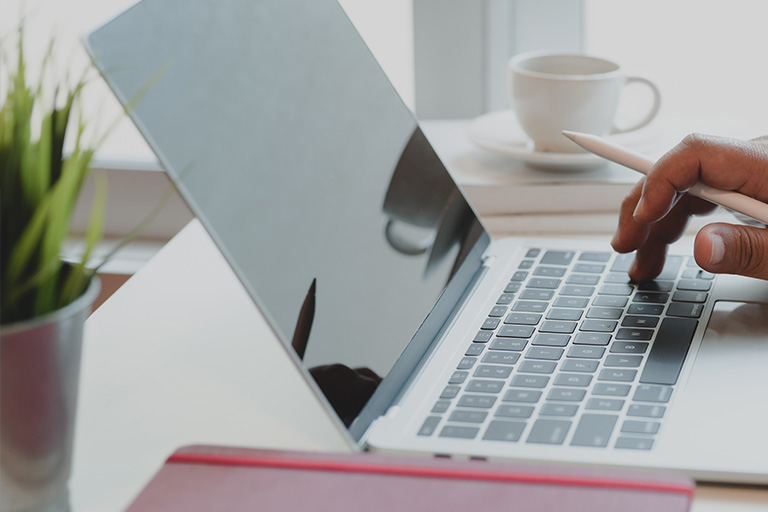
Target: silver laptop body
column 420, row 333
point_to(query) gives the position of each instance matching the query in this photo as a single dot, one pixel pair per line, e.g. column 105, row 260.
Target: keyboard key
column 571, row 302
column 566, row 394
column 650, row 297
column 506, row 298
column 651, row 393
column 450, row 391
column 598, row 325
column 645, row 309
column 534, row 294
column 499, row 430
column 564, row 410
column 656, row 286
column 594, row 430
column 604, row 313
column 490, row 324
column 696, row 285
column 546, row 353
column 514, row 411
column 462, row 416
column 459, row 432
column 528, row 396
column 617, row 375
column 592, row 338
column 605, row 404
column 564, row 314
column 646, row 411
column 629, row 347
column 579, row 365
column 640, row 321
column 530, row 381
column 483, row 336
column 515, row 331
column 668, row 352
column 634, row 334
column 617, row 278
column 671, row 268
column 475, row 349
column 599, row 257
column 640, row 427
column 684, row 296
column 557, row 326
column 492, row 371
column 485, row 386
column 583, row 279
column 685, row 309
column 548, row 283
column 589, row 268
column 458, row 377
column 531, row 366
column 522, row 318
column 531, row 306
column 508, row 344
column 512, row 287
column 573, row 379
column 501, row 357
column 498, row 311
column 577, row 290
column 549, row 271
column 616, row 289
column 623, row 361
column 557, row 258
column 547, row 431
column 520, row 275
column 429, row 426
column 610, row 301
column 466, row 363
column 441, row 406
column 532, row 253
column 477, row 401
column 551, row 340
column 526, row 264
column 622, row 263
column 634, row 443
column 609, row 389
column 586, row 352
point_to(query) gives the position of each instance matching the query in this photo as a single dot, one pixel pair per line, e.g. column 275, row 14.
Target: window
column 707, row 56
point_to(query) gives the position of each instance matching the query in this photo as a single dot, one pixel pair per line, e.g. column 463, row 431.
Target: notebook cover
column 207, row 478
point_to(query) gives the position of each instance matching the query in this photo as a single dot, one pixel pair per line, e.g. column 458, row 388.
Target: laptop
column 419, row 332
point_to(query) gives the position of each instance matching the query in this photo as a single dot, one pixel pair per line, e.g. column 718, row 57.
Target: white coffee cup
column 551, row 92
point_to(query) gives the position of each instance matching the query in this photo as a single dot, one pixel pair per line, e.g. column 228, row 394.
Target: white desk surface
column 179, row 355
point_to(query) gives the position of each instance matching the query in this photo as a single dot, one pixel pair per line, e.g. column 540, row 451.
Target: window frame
column 461, row 49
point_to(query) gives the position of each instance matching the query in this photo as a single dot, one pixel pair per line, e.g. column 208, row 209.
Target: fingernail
column 638, row 207
column 718, row 248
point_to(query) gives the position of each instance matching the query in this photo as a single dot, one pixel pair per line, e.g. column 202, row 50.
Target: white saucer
column 500, row 132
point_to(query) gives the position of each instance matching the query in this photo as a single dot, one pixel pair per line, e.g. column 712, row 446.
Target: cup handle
column 651, row 113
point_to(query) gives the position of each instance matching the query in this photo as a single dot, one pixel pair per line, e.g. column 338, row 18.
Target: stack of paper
column 513, row 197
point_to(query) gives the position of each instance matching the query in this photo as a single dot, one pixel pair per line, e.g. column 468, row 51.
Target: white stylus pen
column 729, row 199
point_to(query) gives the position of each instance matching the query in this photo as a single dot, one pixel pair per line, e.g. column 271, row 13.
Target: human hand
column 657, row 210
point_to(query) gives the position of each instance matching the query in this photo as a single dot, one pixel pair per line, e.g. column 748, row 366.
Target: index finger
column 720, row 162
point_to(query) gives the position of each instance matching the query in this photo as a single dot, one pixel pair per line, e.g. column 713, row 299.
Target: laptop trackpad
column 721, row 411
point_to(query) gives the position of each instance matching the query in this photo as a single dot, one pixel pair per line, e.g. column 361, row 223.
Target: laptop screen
column 296, row 153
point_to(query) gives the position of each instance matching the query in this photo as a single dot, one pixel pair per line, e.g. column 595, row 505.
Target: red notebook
column 222, row 479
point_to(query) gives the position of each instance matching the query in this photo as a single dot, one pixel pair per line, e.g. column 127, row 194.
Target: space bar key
column 669, row 350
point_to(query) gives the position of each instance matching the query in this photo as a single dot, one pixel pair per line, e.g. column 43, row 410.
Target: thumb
column 733, row 249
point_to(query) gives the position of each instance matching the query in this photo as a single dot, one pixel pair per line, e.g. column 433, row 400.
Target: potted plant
column 44, row 300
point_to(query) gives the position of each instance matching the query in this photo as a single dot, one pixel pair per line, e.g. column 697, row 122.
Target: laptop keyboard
column 574, row 354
